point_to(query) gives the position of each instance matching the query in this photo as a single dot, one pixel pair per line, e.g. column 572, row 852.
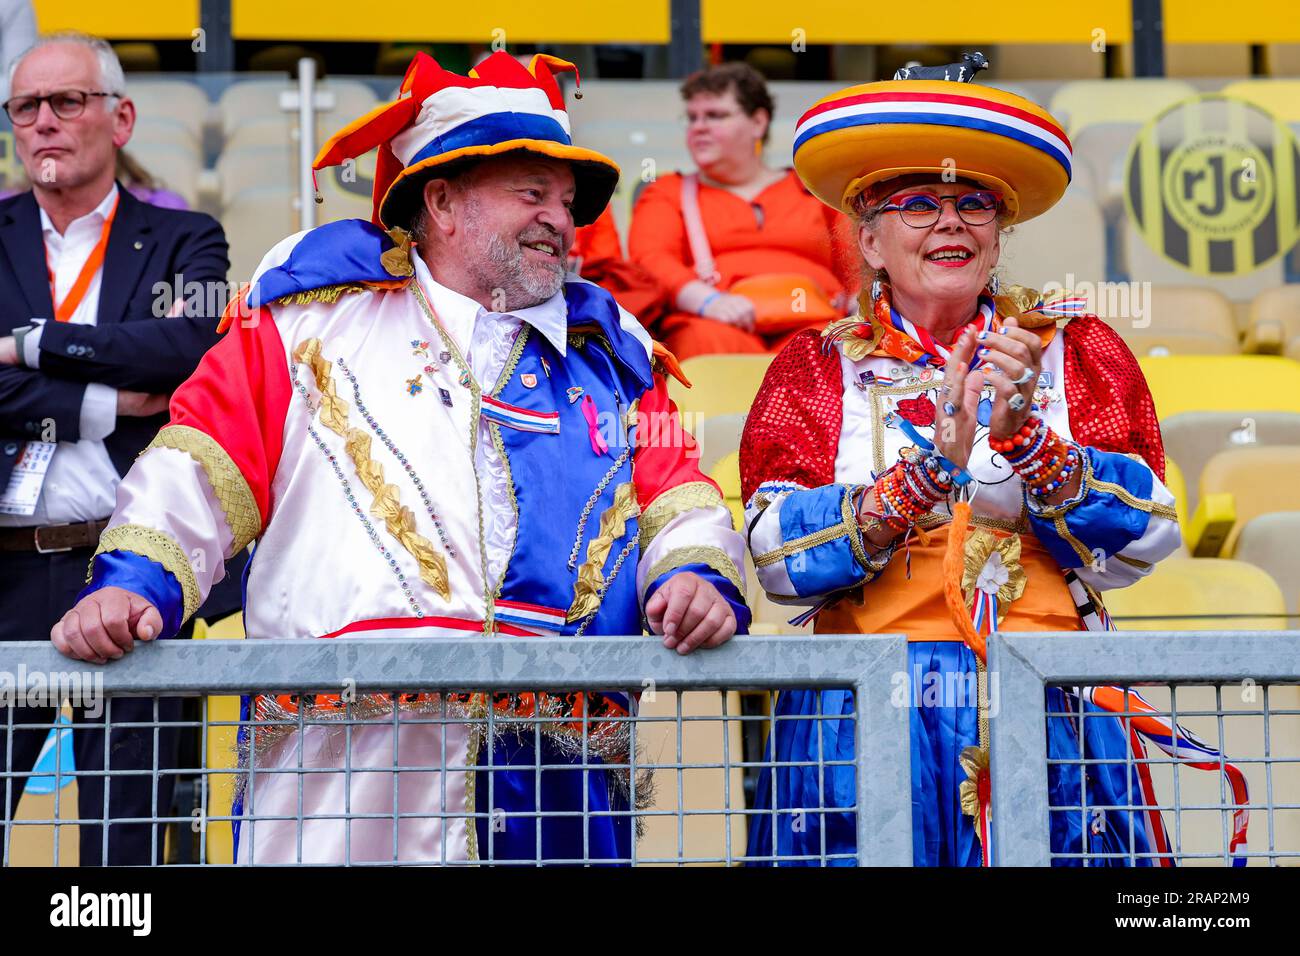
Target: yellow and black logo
column 1213, row 185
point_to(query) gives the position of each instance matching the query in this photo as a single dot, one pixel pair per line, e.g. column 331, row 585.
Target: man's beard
column 499, row 265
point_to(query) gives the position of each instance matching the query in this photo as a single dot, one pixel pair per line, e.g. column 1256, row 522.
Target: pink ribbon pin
column 598, row 444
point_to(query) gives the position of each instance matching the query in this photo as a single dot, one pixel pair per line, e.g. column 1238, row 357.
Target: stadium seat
column 256, row 166
column 1178, row 320
column 1036, row 61
column 1279, row 97
column 255, row 220
column 1272, row 542
column 1282, row 59
column 1144, row 264
column 246, row 101
column 726, row 472
column 720, row 384
column 1177, row 486
column 653, row 101
column 266, row 132
column 1236, row 383
column 1261, row 479
column 1193, row 438
column 1199, row 594
column 222, row 748
column 178, row 101
column 1201, row 59
column 1064, row 246
column 166, row 131
column 177, row 168
column 1274, row 325
column 718, row 435
column 1102, row 149
column 1083, row 102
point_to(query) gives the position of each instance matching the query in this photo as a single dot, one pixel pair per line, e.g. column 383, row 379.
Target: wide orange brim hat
column 866, row 134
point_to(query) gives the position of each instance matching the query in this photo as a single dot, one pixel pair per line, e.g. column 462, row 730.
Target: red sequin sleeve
column 1110, row 404
column 793, row 429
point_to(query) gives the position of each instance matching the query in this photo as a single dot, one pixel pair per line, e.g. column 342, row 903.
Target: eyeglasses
column 66, row 104
column 920, row 210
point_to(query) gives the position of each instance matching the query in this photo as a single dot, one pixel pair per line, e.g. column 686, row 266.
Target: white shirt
column 485, row 339
column 81, row 483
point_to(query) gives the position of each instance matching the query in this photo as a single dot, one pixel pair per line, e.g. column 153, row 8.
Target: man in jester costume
column 429, row 429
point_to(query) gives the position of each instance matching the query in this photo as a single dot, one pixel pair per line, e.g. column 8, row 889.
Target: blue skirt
column 504, row 838
column 942, row 725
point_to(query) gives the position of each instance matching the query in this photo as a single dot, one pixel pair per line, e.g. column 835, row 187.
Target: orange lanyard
column 63, row 311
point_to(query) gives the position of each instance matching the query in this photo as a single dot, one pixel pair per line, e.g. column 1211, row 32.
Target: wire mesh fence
column 1207, row 743
column 488, row 751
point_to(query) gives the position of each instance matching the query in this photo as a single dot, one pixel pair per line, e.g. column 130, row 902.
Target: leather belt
column 53, row 538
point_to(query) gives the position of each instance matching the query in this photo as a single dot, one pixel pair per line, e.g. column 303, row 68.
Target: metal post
column 306, row 142
column 1148, row 38
column 685, row 42
column 218, row 54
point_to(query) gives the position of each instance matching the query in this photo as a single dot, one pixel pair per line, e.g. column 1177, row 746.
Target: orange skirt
column 893, row 604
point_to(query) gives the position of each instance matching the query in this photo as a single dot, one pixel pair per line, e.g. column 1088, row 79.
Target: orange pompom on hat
column 441, row 120
column 867, row 134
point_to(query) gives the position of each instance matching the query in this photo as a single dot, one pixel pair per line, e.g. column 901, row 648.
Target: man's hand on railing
column 104, row 624
column 689, row 612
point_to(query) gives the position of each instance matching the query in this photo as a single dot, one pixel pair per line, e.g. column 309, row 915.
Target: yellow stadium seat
column 222, row 750
column 1245, row 383
column 1177, row 486
column 1199, row 594
column 720, row 384
column 1211, row 524
column 727, row 474
column 1082, row 102
column 1275, row 322
column 1067, row 241
column 1279, row 97
column 1193, row 438
column 1261, row 479
column 1272, row 542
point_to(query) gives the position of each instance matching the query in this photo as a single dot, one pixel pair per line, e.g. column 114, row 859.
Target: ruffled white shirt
column 485, row 339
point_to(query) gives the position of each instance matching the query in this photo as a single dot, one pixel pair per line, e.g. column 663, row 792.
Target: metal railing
column 445, row 666
column 1239, row 695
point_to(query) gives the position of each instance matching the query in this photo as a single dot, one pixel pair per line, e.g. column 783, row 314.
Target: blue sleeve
column 725, row 588
column 1113, row 508
column 136, row 573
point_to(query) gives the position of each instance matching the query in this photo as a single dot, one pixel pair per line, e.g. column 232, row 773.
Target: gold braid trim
column 806, row 543
column 673, row 502
column 398, row 518
column 159, row 547
column 326, row 293
column 227, row 481
column 591, row 576
column 715, row 558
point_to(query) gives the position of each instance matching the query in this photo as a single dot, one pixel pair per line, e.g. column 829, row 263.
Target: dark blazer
column 130, row 347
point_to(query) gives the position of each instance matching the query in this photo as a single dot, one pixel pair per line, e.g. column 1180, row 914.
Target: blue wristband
column 705, row 304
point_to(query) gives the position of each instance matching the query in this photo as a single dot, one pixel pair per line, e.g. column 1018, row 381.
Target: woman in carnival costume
column 956, row 458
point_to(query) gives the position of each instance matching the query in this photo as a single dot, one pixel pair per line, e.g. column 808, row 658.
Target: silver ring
column 945, row 389
column 1016, row 402
column 1025, row 376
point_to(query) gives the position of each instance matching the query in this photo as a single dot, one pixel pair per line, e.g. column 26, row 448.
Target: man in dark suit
column 89, row 352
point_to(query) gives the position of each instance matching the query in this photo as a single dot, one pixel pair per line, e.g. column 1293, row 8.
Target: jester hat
column 441, row 122
column 863, row 135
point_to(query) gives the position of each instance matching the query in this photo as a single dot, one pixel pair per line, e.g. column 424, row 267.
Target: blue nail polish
column 982, row 352
column 982, row 336
column 949, row 409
